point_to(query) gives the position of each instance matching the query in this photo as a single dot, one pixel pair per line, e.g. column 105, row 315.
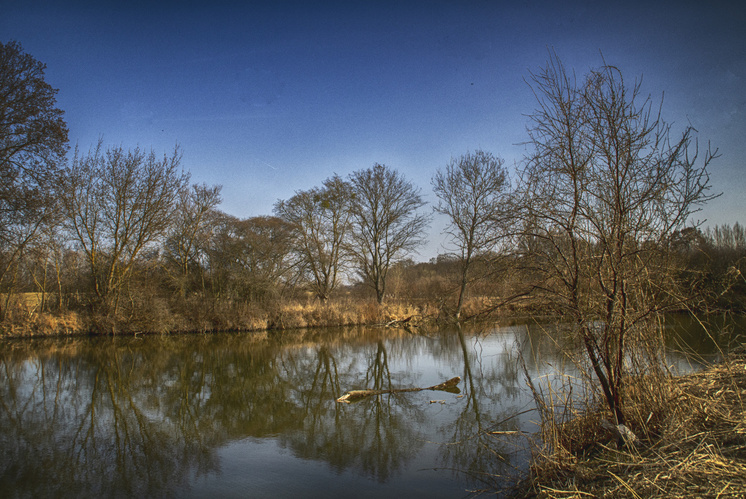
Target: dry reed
column 154, row 317
column 692, row 445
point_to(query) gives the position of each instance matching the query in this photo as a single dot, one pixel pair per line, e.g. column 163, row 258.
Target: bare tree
column 320, row 218
column 604, row 188
column 41, row 260
column 251, row 258
column 386, row 223
column 474, row 193
column 117, row 203
column 33, row 134
column 187, row 233
column 33, row 143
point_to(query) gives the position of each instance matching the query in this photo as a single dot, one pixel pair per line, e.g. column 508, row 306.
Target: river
column 255, row 414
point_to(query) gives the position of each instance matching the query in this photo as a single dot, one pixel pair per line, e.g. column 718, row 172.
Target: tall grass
column 690, row 433
column 153, row 314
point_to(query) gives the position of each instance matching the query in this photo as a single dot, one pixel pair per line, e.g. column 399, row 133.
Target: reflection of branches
column 378, row 375
column 474, row 449
column 144, row 417
column 373, row 437
column 326, row 377
column 87, row 429
column 89, row 433
column 324, row 385
column 318, row 436
column 386, row 438
column 471, row 392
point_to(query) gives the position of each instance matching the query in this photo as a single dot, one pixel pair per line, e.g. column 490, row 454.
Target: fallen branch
column 399, row 322
column 446, row 386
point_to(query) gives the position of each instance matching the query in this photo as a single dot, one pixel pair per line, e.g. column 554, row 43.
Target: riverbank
column 26, row 321
column 696, row 447
column 25, row 317
column 235, row 317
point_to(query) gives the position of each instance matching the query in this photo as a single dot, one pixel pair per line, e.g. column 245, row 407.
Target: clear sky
column 266, row 98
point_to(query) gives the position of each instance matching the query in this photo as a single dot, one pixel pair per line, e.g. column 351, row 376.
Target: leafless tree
column 188, row 231
column 42, row 262
column 727, row 238
column 474, row 193
column 33, row 134
column 387, row 225
column 116, row 204
column 33, row 143
column 604, row 187
column 320, row 218
column 249, row 259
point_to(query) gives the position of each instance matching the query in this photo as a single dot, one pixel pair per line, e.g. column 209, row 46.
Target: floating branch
column 446, row 386
column 399, row 322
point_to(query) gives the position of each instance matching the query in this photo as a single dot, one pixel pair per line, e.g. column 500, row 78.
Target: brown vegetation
column 25, row 318
column 692, row 442
column 608, row 191
column 121, row 241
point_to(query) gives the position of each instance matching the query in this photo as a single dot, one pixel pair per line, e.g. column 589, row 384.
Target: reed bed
column 154, row 316
column 692, row 445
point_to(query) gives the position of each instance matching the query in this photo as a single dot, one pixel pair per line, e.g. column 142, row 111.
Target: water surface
column 245, row 415
column 254, row 415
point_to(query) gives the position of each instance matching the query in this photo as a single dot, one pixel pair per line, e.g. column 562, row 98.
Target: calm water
column 241, row 415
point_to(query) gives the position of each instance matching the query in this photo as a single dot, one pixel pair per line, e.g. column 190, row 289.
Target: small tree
column 604, row 189
column 386, row 223
column 248, row 259
column 320, row 219
column 473, row 192
column 117, row 203
column 188, row 231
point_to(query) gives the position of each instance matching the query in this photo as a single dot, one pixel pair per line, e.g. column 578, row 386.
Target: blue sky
column 266, row 98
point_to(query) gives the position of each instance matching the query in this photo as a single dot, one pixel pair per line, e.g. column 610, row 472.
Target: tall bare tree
column 33, row 134
column 387, row 224
column 474, row 193
column 33, row 143
column 116, row 204
column 605, row 187
column 320, row 218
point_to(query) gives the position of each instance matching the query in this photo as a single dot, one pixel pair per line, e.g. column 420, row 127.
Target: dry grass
column 154, row 316
column 22, row 317
column 345, row 313
column 694, row 445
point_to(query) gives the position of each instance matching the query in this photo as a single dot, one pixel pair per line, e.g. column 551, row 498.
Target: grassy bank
column 29, row 315
column 692, row 442
column 27, row 321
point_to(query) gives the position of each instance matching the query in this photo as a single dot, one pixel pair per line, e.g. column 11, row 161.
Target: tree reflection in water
column 492, row 399
column 149, row 416
column 73, row 422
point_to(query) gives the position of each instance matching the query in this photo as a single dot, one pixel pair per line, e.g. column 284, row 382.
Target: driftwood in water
column 447, row 386
column 400, row 322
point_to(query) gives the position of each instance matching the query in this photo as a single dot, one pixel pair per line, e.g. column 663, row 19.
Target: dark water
column 233, row 415
column 244, row 415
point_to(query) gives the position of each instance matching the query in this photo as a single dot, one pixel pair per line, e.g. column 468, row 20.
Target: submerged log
column 446, row 386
